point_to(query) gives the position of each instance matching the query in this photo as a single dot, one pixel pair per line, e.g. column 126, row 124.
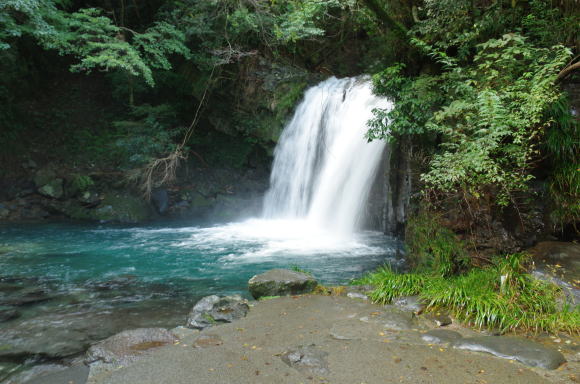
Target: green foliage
column 296, row 268
column 433, row 248
column 92, row 38
column 549, row 25
column 562, row 146
column 500, row 296
column 224, row 31
column 390, row 285
column 488, row 120
column 81, row 182
column 223, row 150
column 151, row 135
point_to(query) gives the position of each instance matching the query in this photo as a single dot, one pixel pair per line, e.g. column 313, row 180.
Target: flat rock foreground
column 323, row 339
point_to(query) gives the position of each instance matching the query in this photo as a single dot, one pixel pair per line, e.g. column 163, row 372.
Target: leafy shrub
column 81, row 182
column 151, row 135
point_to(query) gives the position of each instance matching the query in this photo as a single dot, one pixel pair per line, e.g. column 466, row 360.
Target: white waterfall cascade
column 323, row 165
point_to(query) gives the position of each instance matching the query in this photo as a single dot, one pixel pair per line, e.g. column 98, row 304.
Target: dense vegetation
column 479, row 89
column 501, row 296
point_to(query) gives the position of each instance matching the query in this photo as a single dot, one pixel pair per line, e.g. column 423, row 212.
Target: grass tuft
column 502, row 296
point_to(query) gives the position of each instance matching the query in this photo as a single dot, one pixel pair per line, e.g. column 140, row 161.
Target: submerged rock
column 441, row 336
column 36, row 374
column 77, row 374
column 128, row 344
column 307, row 359
column 8, row 314
column 525, row 351
column 281, row 282
column 6, row 369
column 213, row 310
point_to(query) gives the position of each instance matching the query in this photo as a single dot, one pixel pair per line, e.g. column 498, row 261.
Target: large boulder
column 281, row 282
column 127, row 345
column 213, row 310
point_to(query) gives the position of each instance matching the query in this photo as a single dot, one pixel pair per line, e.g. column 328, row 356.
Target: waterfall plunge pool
column 71, row 285
column 64, row 286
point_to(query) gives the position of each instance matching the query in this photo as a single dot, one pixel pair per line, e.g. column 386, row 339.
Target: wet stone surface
column 8, row 314
column 392, row 319
column 309, row 359
column 525, row 351
column 206, row 341
column 441, row 319
column 410, row 304
column 129, row 343
column 213, row 310
column 440, row 336
column 77, row 374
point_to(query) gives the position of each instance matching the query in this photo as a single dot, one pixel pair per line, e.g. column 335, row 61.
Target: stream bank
column 324, row 339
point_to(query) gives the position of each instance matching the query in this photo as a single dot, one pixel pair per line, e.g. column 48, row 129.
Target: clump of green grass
column 502, row 296
column 296, row 268
column 390, row 284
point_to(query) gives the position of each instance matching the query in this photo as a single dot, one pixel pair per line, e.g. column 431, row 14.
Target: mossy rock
column 123, row 208
column 281, row 282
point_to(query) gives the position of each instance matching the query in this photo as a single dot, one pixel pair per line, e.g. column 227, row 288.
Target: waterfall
column 323, row 165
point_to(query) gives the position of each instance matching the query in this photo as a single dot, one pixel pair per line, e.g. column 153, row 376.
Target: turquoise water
column 99, row 279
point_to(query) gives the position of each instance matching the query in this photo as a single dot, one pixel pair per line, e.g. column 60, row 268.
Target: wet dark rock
column 77, row 374
column 559, row 263
column 525, row 351
column 410, row 303
column 128, row 344
column 308, row 359
column 213, row 310
column 440, row 318
column 6, row 369
column 281, row 282
column 392, row 319
column 8, row 314
column 160, row 199
column 26, row 297
column 36, row 338
column 35, row 374
column 119, row 283
column 441, row 336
